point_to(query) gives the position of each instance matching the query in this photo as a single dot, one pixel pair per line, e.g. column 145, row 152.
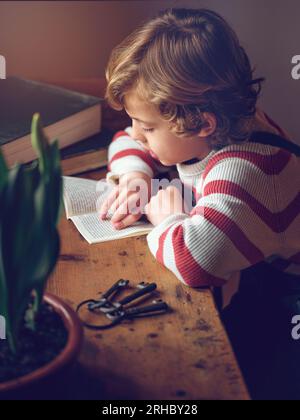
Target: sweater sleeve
column 230, row 228
column 126, row 155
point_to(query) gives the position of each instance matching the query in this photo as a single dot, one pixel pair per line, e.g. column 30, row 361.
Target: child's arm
column 229, row 229
column 128, row 162
column 126, row 155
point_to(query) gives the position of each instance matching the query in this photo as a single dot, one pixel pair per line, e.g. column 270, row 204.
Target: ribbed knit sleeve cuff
column 155, row 234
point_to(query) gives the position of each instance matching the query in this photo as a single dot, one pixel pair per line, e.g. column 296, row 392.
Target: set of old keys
column 117, row 311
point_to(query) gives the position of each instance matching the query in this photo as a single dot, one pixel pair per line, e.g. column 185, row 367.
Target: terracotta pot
column 37, row 384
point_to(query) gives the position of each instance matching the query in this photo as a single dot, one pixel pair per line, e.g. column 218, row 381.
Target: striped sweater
column 246, row 208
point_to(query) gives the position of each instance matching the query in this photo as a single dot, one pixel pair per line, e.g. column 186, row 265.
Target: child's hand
column 164, row 204
column 125, row 198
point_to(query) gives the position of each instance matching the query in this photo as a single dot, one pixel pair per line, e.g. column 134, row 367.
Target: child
column 188, row 86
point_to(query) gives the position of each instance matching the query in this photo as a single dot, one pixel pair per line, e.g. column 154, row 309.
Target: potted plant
column 43, row 335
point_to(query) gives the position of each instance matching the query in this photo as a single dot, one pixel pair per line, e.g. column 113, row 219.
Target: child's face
column 150, row 130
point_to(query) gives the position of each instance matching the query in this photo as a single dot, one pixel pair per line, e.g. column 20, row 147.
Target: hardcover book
column 66, row 115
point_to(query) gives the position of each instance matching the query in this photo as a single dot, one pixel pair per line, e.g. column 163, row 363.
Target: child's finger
column 121, row 199
column 108, row 202
column 125, row 208
column 120, row 213
column 128, row 221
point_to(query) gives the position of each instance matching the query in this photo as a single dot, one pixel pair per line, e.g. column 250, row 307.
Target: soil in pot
column 36, row 348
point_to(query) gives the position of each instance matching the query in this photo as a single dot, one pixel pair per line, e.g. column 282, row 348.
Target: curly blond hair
column 186, row 62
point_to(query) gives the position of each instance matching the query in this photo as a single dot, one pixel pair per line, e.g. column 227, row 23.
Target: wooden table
column 182, row 355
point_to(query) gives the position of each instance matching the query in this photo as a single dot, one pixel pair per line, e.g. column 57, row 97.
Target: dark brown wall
column 62, row 40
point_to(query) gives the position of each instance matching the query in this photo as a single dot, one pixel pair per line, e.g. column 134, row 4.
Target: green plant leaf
column 40, row 144
column 31, row 197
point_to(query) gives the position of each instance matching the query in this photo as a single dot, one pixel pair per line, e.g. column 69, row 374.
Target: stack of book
column 71, row 117
column 88, row 154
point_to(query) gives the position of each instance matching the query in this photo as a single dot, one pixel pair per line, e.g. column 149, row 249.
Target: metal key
column 144, row 289
column 157, row 307
column 104, row 300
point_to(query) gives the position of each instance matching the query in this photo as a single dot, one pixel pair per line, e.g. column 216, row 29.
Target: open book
column 82, row 198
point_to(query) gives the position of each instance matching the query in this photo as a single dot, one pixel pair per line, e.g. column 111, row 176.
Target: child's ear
column 209, row 125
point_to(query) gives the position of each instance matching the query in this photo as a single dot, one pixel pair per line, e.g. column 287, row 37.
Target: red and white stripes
column 247, row 210
column 125, row 154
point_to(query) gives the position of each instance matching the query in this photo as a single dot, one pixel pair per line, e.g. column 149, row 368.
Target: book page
column 82, row 196
column 95, row 230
